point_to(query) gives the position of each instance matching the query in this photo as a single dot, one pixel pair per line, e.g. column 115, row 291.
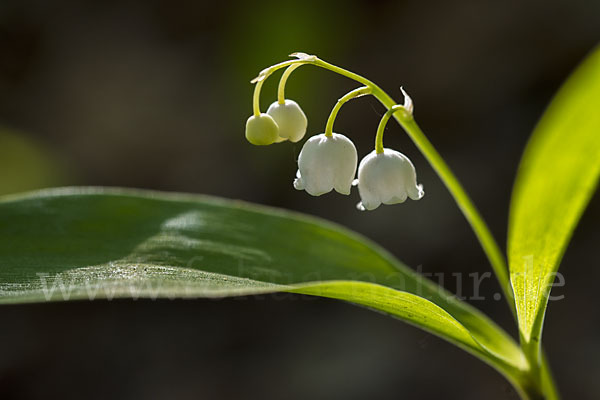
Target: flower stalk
column 283, row 80
column 256, row 98
column 361, row 91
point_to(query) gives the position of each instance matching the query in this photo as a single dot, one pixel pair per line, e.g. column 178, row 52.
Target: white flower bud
column 290, row 118
column 387, row 178
column 262, row 130
column 326, row 163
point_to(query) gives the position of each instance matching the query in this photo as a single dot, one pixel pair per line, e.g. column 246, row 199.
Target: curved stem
column 264, row 74
column 382, row 124
column 283, row 81
column 487, row 241
column 256, row 98
column 361, row 91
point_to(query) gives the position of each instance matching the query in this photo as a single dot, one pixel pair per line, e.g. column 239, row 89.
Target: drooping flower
column 387, row 178
column 326, row 163
column 290, row 118
column 262, row 130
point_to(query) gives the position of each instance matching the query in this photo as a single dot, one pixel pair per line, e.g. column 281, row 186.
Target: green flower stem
column 541, row 376
column 361, row 91
column 265, row 73
column 465, row 204
column 540, row 368
column 282, row 82
column 532, row 350
column 382, row 124
column 256, row 98
column 547, row 380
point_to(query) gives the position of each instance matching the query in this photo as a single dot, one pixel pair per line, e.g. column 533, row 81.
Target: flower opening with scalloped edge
column 386, row 178
column 326, row 163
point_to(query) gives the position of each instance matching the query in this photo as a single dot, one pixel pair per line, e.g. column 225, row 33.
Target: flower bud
column 387, row 178
column 261, row 130
column 290, row 118
column 326, row 163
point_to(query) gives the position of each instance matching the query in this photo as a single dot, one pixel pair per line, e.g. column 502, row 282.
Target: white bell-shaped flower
column 387, row 178
column 290, row 118
column 262, row 130
column 326, row 163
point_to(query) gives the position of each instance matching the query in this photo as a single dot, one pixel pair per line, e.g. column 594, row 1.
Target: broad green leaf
column 90, row 243
column 556, row 179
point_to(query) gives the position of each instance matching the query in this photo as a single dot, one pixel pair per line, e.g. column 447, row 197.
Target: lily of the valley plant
column 328, row 161
column 90, row 243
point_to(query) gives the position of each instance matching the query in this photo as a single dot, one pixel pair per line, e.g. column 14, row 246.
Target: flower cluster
column 328, row 161
column 285, row 121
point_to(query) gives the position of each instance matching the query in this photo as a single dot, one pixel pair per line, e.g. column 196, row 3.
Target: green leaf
column 556, row 179
column 89, row 243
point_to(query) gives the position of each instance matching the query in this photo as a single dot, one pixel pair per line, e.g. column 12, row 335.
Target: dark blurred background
column 155, row 94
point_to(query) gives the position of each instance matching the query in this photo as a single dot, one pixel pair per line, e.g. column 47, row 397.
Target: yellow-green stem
column 361, row 91
column 542, row 385
column 381, row 128
column 283, row 81
column 463, row 201
column 256, row 98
